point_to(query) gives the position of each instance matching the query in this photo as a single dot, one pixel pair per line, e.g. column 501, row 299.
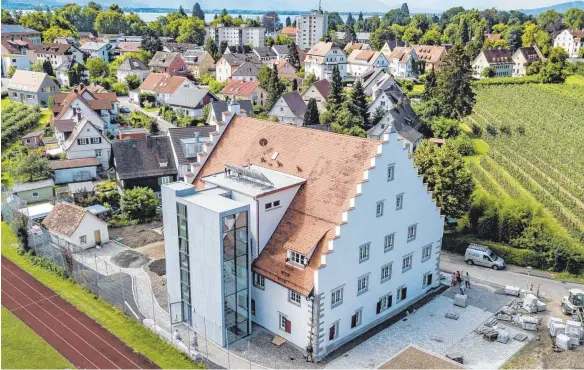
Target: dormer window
column 191, row 150
column 297, row 258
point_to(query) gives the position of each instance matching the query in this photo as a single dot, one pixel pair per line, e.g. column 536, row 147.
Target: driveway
column 163, row 125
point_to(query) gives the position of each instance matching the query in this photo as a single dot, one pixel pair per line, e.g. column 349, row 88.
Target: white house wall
column 75, row 174
column 88, row 150
column 418, row 208
column 87, row 112
column 284, row 113
column 87, row 227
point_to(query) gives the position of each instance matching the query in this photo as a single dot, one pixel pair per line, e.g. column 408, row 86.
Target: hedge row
column 534, row 79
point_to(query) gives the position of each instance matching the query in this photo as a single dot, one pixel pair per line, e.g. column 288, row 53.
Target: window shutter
column 353, row 321
column 288, row 326
column 332, row 333
column 378, row 306
column 404, row 293
column 159, row 181
column 429, row 279
column 389, row 301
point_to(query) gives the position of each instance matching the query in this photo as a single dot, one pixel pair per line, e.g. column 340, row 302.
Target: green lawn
column 575, row 80
column 152, row 109
column 138, row 337
column 22, row 348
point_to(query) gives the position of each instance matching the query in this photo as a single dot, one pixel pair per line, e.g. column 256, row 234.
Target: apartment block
column 311, row 28
column 236, row 36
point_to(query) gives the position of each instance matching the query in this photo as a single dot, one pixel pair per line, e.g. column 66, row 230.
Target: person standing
column 458, row 278
column 453, row 279
column 467, row 280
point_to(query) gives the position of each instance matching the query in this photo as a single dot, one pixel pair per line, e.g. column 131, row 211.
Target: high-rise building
column 311, row 28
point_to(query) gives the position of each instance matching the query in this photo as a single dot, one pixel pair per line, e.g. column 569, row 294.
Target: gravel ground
column 158, row 287
column 135, row 236
column 129, row 258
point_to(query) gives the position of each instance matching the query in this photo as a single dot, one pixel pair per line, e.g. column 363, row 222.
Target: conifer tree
column 311, row 114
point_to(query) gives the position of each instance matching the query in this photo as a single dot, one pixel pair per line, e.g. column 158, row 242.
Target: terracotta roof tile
column 63, row 164
column 64, row 218
column 332, row 164
column 240, row 88
column 162, row 82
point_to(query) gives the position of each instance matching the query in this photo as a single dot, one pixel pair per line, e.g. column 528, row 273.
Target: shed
column 98, row 209
column 35, row 191
column 76, row 225
column 132, row 133
column 33, row 139
column 74, row 170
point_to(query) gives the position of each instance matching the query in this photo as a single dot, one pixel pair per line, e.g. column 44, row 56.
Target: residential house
column 361, row 61
column 14, row 53
column 289, row 31
column 56, row 54
column 199, row 62
column 318, row 91
column 311, row 28
column 285, row 69
column 289, row 108
column 71, row 73
column 370, row 78
column 402, row 62
column 67, row 40
column 499, row 59
column 144, row 161
column 99, row 50
column 571, row 41
column 132, row 133
column 86, row 141
column 177, row 47
column 171, row 63
column 188, row 145
column 126, row 47
column 388, row 47
column 230, row 61
column 321, row 58
column 34, row 191
column 17, row 32
column 318, row 261
column 31, row 88
column 76, row 226
column 235, row 36
column 385, row 82
column 33, row 140
column 101, row 109
column 492, row 36
column 220, row 106
column 362, row 38
column 281, row 51
column 247, row 71
column 355, row 46
column 190, row 102
column 523, row 57
column 386, row 96
column 74, row 170
column 265, row 54
column 431, row 55
column 163, row 86
column 245, row 90
column 132, row 66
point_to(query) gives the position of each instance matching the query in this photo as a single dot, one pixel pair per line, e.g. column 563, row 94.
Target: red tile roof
column 64, row 218
column 289, row 31
column 63, row 164
column 162, row 83
column 240, row 88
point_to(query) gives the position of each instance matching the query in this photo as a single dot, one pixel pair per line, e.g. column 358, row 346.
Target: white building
column 289, row 108
column 268, row 239
column 56, row 54
column 236, row 36
column 76, row 225
column 132, row 66
column 499, row 59
column 402, row 62
column 86, row 141
column 361, row 61
column 571, row 40
column 98, row 50
column 321, row 58
column 311, row 28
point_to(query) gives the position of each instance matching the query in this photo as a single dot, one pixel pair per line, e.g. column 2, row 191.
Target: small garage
column 74, row 170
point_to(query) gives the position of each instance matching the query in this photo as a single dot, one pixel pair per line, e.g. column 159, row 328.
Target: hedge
column 534, row 79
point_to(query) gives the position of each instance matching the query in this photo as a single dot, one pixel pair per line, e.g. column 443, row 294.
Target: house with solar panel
column 315, row 237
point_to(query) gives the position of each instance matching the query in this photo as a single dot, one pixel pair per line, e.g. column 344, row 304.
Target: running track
column 77, row 337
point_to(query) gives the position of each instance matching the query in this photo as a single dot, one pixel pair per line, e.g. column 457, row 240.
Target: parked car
column 483, row 256
column 124, row 109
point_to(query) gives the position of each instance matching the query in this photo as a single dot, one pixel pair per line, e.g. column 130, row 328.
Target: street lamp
column 528, row 276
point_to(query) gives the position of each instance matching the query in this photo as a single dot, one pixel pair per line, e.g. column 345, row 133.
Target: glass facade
column 183, row 252
column 235, row 276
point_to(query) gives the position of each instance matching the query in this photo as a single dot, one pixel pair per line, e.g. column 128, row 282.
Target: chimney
column 148, row 140
column 234, row 107
column 189, row 177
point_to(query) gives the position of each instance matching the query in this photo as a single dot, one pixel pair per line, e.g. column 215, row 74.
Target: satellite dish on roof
column 263, row 142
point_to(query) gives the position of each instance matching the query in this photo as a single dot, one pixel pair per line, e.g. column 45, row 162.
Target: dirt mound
column 158, row 267
column 130, row 259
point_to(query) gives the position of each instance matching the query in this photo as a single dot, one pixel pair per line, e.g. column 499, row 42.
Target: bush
column 464, row 145
column 133, row 81
column 139, row 203
column 476, row 130
column 47, row 264
column 146, row 97
column 509, row 80
column 120, row 88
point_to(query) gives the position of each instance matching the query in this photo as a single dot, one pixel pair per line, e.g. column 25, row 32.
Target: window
column 298, row 258
column 379, row 209
column 285, row 324
column 384, row 303
column 35, row 194
column 407, row 262
column 268, row 205
column 336, row 297
column 390, row 172
column 294, row 297
column 401, row 294
column 98, row 153
column 356, row 318
column 83, row 239
column 388, row 242
column 427, row 280
column 334, row 331
column 191, row 150
column 83, row 141
column 426, row 252
column 165, row 180
column 412, row 232
column 362, row 284
column 259, row 281
column 386, row 272
column 276, row 203
column 364, row 253
column 399, row 202
column 272, row 205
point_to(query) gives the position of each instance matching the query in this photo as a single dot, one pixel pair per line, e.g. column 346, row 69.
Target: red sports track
column 77, row 337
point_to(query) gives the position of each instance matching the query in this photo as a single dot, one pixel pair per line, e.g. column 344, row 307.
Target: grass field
column 22, row 348
column 138, row 337
column 532, row 148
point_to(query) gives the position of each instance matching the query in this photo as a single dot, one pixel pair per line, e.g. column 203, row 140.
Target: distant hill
column 562, row 8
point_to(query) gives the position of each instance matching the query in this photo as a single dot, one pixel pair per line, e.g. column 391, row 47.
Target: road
column 163, row 125
column 512, row 275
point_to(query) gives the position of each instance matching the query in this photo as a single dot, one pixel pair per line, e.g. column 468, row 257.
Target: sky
column 446, row 4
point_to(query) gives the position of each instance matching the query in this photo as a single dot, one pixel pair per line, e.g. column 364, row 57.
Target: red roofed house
column 166, row 62
column 245, row 90
column 76, row 225
column 289, row 31
column 432, row 55
column 162, row 85
column 316, row 237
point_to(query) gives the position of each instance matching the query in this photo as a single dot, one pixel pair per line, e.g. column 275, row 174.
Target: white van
column 483, row 256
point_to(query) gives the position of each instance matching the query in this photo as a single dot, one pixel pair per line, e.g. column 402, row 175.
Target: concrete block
column 512, row 290
column 460, row 300
column 528, row 326
column 541, row 306
column 557, row 328
column 552, row 320
column 503, row 336
column 563, row 342
column 530, row 299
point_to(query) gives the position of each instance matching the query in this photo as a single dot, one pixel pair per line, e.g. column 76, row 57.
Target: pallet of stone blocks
column 460, row 300
column 530, row 303
column 552, row 320
column 529, row 323
column 574, row 330
column 563, row 342
column 503, row 336
column 512, row 290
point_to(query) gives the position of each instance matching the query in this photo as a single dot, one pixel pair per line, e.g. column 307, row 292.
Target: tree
column 198, row 12
column 380, row 36
column 11, row 71
column 378, row 115
column 335, row 97
column 293, row 56
column 97, row 67
column 429, row 85
column 191, row 30
column 295, row 83
column 48, row 67
column 547, row 20
column 283, row 40
column 335, row 22
column 51, row 33
column 581, row 53
column 37, row 66
column 453, row 89
column 349, row 23
column 412, row 35
column 350, row 35
column 288, row 21
column 445, row 128
column 33, row 166
column 7, row 18
column 359, row 103
column 150, row 41
column 181, row 11
column 431, row 37
column 135, row 25
column 311, row 113
column 211, row 48
column 139, row 203
column 574, row 19
column 133, row 81
column 264, row 77
column 120, row 88
column 513, row 37
column 308, row 81
column 222, row 47
column 553, row 71
column 274, row 89
column 271, row 21
column 464, row 32
column 445, row 172
column 111, row 21
column 489, row 72
column 37, row 20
